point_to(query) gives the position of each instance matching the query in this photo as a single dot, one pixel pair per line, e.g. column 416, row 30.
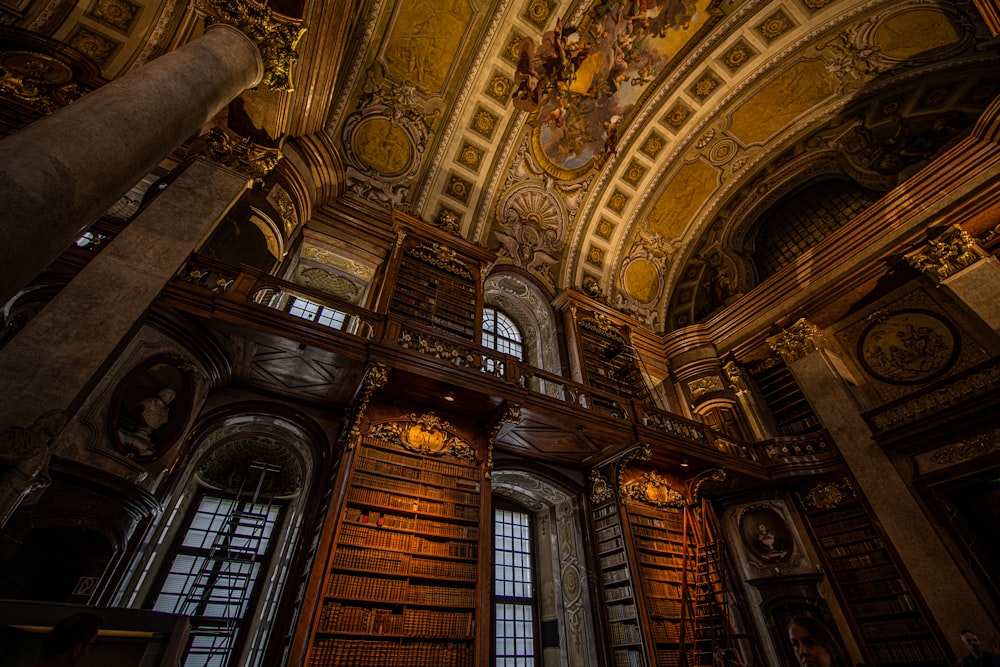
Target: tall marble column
column 50, row 363
column 966, row 271
column 824, row 380
column 59, row 174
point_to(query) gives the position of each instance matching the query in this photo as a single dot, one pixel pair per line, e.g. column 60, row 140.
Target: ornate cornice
column 600, row 488
column 276, row 36
column 946, row 255
column 797, row 341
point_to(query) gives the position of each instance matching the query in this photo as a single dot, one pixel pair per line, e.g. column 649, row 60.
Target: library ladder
column 217, row 599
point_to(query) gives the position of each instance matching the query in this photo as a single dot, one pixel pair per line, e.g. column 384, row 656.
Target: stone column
column 824, row 380
column 59, row 174
column 51, row 362
column 956, row 263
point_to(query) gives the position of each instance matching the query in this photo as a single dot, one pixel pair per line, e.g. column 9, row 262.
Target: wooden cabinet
column 401, row 585
column 791, row 411
column 601, row 352
column 443, row 297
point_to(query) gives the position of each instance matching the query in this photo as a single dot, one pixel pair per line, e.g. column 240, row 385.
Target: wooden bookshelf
column 401, row 583
column 791, row 411
column 443, row 296
column 663, row 564
column 624, row 632
column 887, row 614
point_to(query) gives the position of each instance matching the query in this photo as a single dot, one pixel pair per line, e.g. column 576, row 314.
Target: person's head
column 167, row 395
column 971, row 640
column 71, row 636
column 813, row 644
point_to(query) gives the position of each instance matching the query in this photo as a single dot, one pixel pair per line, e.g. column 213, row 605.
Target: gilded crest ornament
column 426, row 434
column 600, row 488
column 953, row 250
column 828, row 495
column 652, row 489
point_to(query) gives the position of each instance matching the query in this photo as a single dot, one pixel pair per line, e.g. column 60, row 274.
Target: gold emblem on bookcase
column 828, row 495
column 426, row 434
column 653, row 489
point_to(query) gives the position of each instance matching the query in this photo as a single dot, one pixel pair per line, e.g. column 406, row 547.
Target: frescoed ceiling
column 627, row 148
column 631, row 149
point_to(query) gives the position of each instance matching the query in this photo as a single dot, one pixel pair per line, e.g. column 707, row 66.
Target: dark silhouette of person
column 68, row 640
column 977, row 656
column 814, row 645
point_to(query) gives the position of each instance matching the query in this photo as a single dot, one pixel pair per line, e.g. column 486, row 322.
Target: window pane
column 213, row 573
column 514, row 595
column 500, row 333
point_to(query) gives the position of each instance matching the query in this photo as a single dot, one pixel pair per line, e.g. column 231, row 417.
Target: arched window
column 500, row 333
column 804, row 219
column 515, row 615
column 221, row 555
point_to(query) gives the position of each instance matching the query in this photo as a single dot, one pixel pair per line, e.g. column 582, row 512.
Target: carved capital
column 230, row 150
column 276, row 36
column 797, row 341
column 946, row 255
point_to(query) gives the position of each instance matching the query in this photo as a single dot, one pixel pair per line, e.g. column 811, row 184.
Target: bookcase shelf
column 890, row 622
column 624, row 631
column 435, row 296
column 401, row 587
column 663, row 567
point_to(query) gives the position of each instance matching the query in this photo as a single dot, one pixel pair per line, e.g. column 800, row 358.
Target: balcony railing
column 320, row 312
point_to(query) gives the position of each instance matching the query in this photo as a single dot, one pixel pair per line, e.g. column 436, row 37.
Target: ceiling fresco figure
column 582, row 81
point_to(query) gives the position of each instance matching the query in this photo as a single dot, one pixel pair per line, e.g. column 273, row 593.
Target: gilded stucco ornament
column 276, row 36
column 828, row 495
column 240, row 154
column 705, row 385
column 737, row 376
column 426, row 434
column 375, row 378
column 953, row 250
column 600, row 488
column 797, row 341
column 965, row 450
column 38, row 80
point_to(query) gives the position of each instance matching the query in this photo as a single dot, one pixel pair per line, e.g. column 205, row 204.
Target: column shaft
column 52, row 361
column 59, row 174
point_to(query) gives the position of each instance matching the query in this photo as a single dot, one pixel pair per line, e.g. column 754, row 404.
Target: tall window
column 214, row 573
column 514, row 603
column 501, row 334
